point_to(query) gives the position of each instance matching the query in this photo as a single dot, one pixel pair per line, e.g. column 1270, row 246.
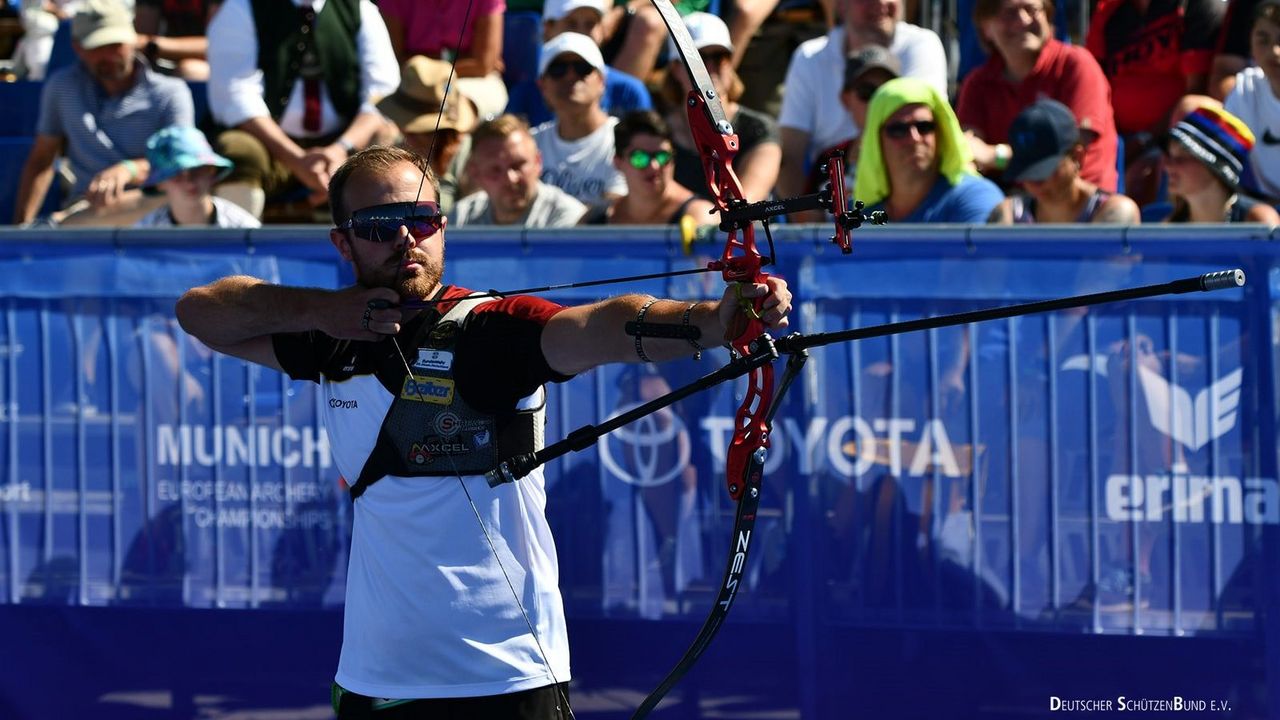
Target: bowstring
column 435, row 137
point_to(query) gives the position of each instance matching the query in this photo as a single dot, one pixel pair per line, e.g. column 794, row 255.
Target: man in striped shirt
column 98, row 114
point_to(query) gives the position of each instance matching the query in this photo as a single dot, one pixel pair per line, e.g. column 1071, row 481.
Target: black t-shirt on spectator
column 753, row 128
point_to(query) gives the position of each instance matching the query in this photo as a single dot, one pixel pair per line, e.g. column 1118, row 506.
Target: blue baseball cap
column 1040, row 136
column 177, row 148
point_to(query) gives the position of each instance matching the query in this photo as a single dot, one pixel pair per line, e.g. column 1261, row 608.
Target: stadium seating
column 521, row 46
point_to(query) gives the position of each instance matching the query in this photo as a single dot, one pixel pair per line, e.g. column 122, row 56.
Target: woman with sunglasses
column 420, row 403
column 915, row 163
column 644, row 156
column 1205, row 155
column 759, row 154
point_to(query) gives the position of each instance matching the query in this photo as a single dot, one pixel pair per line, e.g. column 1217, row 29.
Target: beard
column 417, row 284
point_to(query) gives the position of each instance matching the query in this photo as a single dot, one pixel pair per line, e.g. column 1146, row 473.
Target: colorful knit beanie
column 1218, row 139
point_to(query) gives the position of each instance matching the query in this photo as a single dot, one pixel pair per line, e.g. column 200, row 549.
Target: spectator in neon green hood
column 915, row 163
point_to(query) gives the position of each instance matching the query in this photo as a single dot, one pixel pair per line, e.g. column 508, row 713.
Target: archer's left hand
column 736, row 305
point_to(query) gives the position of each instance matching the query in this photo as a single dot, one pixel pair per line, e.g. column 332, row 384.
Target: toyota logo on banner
column 649, row 452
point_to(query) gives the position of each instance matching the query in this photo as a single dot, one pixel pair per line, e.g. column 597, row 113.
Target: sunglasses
column 381, row 223
column 558, row 68
column 640, row 159
column 865, row 91
column 899, row 130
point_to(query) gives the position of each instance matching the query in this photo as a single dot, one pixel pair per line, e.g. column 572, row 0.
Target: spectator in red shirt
column 1026, row 64
column 1154, row 52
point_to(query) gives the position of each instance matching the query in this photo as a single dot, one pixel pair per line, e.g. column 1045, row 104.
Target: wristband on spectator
column 697, row 349
column 347, row 145
column 132, row 167
column 1004, row 154
column 640, row 320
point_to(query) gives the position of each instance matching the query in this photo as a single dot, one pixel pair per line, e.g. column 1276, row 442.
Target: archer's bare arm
column 237, row 315
column 580, row 338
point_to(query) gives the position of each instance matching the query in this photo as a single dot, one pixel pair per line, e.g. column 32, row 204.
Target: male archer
column 444, row 614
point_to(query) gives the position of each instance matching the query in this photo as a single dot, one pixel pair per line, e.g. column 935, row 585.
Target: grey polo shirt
column 101, row 130
column 551, row 207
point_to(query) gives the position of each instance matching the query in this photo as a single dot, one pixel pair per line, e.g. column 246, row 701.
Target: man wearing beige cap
column 98, row 114
column 418, row 106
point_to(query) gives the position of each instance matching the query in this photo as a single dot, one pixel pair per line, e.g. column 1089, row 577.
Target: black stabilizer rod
column 1220, row 280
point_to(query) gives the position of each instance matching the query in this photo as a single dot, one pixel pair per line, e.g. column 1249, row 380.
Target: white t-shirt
column 428, row 610
column 1253, row 102
column 583, row 168
column 551, row 207
column 811, row 95
column 226, row 214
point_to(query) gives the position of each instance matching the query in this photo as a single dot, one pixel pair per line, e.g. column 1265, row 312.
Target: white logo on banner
column 1193, row 423
column 645, row 443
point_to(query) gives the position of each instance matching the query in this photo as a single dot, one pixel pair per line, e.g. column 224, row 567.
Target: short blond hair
column 374, row 159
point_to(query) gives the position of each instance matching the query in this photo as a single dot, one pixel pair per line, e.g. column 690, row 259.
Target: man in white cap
column 759, row 153
column 812, row 117
column 98, row 114
column 577, row 146
column 622, row 92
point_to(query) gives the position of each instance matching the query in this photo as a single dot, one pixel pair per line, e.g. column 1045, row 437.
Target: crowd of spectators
column 1161, row 110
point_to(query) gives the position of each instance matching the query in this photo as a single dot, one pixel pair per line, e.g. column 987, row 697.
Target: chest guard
column 430, row 431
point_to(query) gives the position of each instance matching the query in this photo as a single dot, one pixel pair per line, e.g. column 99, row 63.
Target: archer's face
column 410, row 266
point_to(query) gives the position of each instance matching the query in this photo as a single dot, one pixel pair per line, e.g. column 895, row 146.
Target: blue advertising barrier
column 979, row 521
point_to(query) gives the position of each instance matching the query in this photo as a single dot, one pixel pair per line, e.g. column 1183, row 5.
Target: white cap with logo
column 575, row 43
column 707, row 30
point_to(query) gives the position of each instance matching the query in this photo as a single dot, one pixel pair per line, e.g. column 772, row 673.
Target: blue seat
column 200, row 99
column 62, row 54
column 13, row 155
column 521, row 46
column 1119, row 163
column 21, row 103
column 1156, row 211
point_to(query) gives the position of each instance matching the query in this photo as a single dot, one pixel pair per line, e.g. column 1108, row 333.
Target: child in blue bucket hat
column 185, row 169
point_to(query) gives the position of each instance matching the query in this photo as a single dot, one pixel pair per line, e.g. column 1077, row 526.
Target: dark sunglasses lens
column 381, row 223
column 560, row 68
column 864, row 92
column 899, row 130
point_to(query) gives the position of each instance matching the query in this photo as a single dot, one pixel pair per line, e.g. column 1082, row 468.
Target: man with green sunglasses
column 425, row 387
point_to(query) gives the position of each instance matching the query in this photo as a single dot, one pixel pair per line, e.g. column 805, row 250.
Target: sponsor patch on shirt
column 427, row 389
column 429, row 359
